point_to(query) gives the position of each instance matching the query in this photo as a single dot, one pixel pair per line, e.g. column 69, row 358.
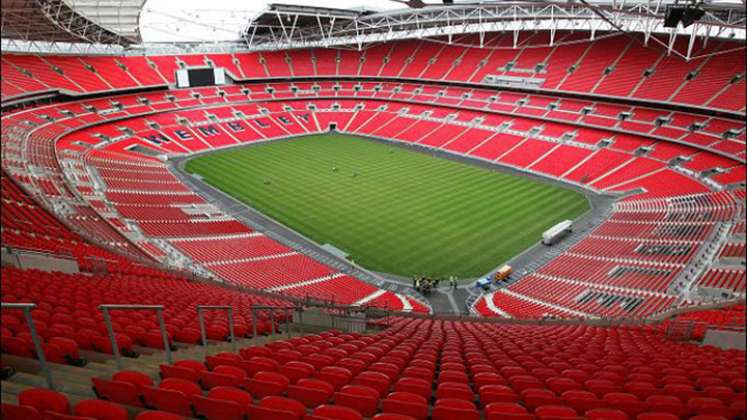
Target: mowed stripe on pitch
column 391, row 209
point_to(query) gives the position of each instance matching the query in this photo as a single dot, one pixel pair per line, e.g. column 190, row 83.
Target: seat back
column 101, row 410
column 217, row 409
column 117, row 391
column 44, row 400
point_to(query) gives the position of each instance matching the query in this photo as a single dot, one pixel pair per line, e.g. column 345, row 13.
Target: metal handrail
column 26, row 308
column 203, row 334
column 161, row 325
column 272, row 310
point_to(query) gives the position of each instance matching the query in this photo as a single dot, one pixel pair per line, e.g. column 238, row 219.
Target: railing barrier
column 161, row 325
column 26, row 308
column 203, row 334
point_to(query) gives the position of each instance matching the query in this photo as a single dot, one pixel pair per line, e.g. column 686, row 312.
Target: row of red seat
column 442, row 370
column 610, row 66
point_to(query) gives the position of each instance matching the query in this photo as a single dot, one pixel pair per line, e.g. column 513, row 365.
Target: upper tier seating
column 615, row 65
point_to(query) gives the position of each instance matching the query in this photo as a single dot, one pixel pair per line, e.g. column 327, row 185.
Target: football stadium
column 376, row 209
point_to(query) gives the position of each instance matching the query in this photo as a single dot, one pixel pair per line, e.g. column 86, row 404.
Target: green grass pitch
column 393, row 210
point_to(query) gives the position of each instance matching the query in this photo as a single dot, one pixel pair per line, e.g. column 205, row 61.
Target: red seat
column 210, row 380
column 217, row 409
column 625, row 402
column 375, row 380
column 361, row 398
column 334, row 412
column 296, row 370
column 502, row 410
column 277, row 408
column 453, row 376
column 57, row 416
column 410, row 404
column 117, row 391
column 601, row 387
column 605, row 414
column 455, row 390
column 417, row 386
column 392, row 416
column 657, row 416
column 251, row 351
column 667, row 404
column 172, row 395
column 487, row 378
column 311, row 392
column 19, row 412
column 44, row 400
column 335, row 375
column 194, row 365
column 454, row 408
column 265, row 384
column 227, row 393
column 535, row 397
column 560, row 385
column 138, row 379
column 100, row 410
column 497, row 393
column 706, row 406
column 555, row 411
column 170, row 371
column 169, row 400
column 259, row 364
column 158, row 415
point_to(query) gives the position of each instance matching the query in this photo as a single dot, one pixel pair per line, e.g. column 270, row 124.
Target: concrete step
column 66, row 383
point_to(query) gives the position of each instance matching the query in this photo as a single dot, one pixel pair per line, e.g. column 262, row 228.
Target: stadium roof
column 71, row 21
column 229, row 25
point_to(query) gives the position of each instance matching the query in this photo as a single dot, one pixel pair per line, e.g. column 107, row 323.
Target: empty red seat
column 406, row 403
column 117, row 391
column 170, row 371
column 19, row 412
column 210, row 380
column 311, row 392
column 375, row 380
column 497, row 393
column 296, row 370
column 217, row 409
column 158, row 415
column 625, row 402
column 44, row 400
column 361, row 398
column 502, row 410
column 554, row 411
column 335, row 375
column 100, row 410
column 560, row 385
column 259, row 364
column 242, row 398
column 138, row 379
column 535, row 397
column 706, row 406
column 277, row 408
column 251, row 351
column 453, row 408
column 417, row 386
column 172, row 395
column 657, row 416
column 265, row 384
column 605, row 414
column 334, row 412
column 455, row 390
